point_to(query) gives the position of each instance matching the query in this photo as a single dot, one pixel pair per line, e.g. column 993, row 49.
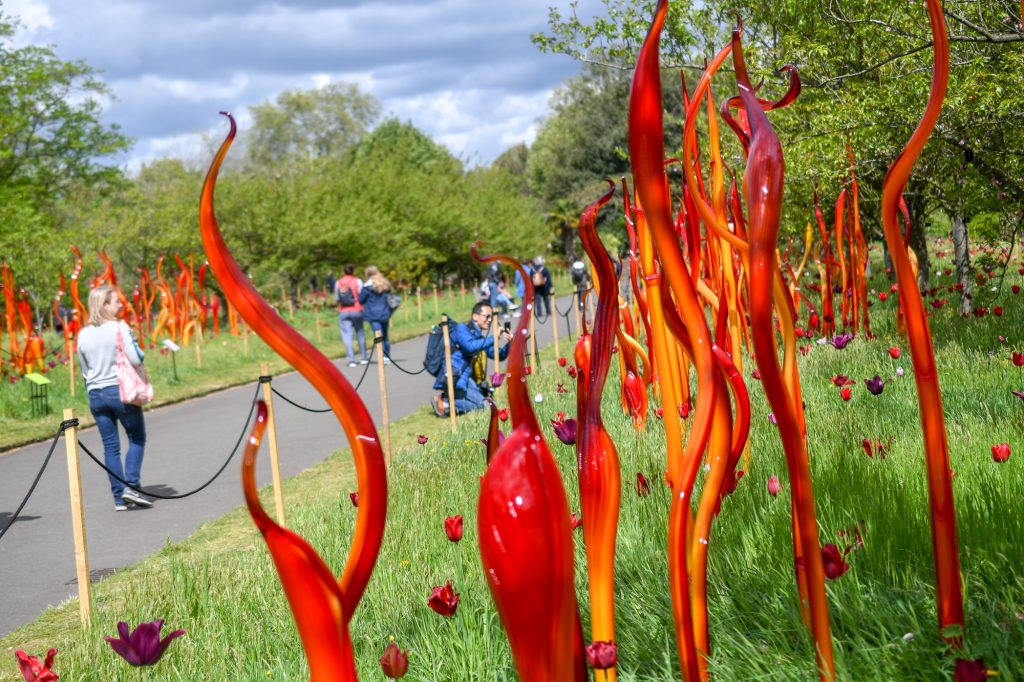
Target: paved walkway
column 186, row 443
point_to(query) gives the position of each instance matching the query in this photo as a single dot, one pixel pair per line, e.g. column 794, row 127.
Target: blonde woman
column 374, row 299
column 97, row 356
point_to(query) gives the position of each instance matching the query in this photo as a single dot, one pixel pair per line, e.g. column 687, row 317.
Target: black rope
column 241, row 437
column 64, row 425
column 398, row 366
column 295, row 404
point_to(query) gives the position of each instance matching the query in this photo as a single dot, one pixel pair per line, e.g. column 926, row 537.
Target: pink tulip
column 773, row 485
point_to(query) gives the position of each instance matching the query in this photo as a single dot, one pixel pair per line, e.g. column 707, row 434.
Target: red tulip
column 842, row 380
column 659, row 412
column 575, row 520
column 756, row 375
column 799, row 331
column 1018, row 359
column 34, row 671
column 894, row 352
column 833, row 561
column 973, row 670
column 453, row 527
column 527, row 371
column 394, row 662
column 503, row 414
column 814, row 321
column 601, row 655
column 561, row 362
column 561, row 388
column 894, row 288
column 421, row 439
column 866, row 444
column 998, row 311
column 773, row 485
column 1001, row 452
column 571, row 370
column 1015, row 288
column 444, row 600
column 882, row 296
column 684, row 411
column 643, row 488
column 845, row 393
column 355, row 498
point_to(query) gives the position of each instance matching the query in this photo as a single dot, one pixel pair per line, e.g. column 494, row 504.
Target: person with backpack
column 540, row 277
column 350, row 315
column 471, row 346
column 376, row 297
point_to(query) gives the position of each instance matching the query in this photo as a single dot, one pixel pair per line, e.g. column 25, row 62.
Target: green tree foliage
column 309, row 124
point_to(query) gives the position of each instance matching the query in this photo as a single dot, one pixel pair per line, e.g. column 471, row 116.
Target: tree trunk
column 962, row 260
column 919, row 240
column 569, row 243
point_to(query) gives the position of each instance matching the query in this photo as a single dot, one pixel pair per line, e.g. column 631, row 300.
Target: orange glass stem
column 315, row 598
column 945, row 544
column 325, row 377
column 646, row 147
column 597, row 458
column 763, row 184
column 525, row 536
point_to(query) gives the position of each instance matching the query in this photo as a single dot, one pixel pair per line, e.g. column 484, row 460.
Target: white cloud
column 33, row 14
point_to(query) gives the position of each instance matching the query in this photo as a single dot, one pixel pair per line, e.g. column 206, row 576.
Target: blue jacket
column 467, row 340
column 375, row 306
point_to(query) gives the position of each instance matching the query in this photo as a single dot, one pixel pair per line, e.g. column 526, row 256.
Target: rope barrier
column 295, row 404
column 241, row 437
column 398, row 366
column 64, row 425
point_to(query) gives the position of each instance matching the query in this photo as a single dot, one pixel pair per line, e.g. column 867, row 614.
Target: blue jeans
column 470, row 399
column 106, row 406
column 353, row 322
column 382, row 327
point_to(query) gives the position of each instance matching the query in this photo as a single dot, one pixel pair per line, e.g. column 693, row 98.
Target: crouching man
column 471, row 346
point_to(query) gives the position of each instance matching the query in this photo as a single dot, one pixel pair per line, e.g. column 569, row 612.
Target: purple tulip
column 772, row 418
column 840, row 341
column 497, row 378
column 565, row 429
column 143, row 646
column 875, row 385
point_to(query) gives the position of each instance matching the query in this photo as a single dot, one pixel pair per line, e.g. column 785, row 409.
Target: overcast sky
column 463, row 71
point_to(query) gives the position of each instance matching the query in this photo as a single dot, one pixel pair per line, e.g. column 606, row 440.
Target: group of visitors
column 359, row 301
column 494, row 290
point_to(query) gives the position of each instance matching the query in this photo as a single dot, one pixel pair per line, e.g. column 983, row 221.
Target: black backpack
column 433, row 361
column 345, row 297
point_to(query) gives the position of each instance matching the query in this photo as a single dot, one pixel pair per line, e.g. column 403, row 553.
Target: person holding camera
column 471, row 346
column 580, row 281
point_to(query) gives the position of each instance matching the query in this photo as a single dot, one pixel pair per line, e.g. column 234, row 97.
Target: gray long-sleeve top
column 97, row 352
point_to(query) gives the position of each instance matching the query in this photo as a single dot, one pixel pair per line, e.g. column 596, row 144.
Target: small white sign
column 171, row 346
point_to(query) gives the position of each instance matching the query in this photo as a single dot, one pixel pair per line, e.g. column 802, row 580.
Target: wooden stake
column 275, row 466
column 419, row 305
column 448, row 369
column 494, row 333
column 405, row 308
column 554, row 328
column 78, row 521
column 378, row 340
column 291, row 310
column 533, row 341
column 437, row 308
column 71, row 365
column 576, row 309
column 199, row 349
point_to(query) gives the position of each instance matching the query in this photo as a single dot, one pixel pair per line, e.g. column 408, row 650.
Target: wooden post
column 71, row 365
column 576, row 303
column 378, row 341
column 275, row 466
column 291, row 310
column 437, row 308
column 419, row 305
column 533, row 341
column 448, row 369
column 78, row 521
column 494, row 333
column 554, row 329
column 199, row 349
column 462, row 293
column 405, row 308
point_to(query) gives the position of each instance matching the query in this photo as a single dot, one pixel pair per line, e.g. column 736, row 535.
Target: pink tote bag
column 133, row 382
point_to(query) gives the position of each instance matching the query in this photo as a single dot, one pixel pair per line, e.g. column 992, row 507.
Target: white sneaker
column 387, row 361
column 352, row 364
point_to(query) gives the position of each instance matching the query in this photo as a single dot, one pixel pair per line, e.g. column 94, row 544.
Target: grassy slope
column 221, row 587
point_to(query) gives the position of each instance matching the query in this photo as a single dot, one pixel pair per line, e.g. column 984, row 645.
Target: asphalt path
column 186, row 443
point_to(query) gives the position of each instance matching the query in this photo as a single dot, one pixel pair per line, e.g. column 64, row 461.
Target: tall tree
column 309, row 124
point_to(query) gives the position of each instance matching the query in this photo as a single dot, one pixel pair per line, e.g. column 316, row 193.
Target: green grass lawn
column 221, row 587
